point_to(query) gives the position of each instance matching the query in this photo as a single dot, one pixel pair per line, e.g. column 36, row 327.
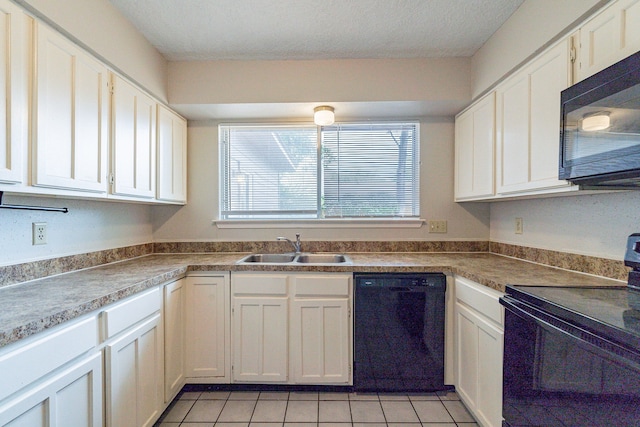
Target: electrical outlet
column 519, row 226
column 39, row 233
column 437, row 226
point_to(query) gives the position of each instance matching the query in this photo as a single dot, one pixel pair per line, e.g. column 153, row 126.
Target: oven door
column 558, row 374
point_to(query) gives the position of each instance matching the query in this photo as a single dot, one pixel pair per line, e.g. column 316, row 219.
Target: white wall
column 347, row 80
column 88, row 226
column 596, row 225
column 194, row 221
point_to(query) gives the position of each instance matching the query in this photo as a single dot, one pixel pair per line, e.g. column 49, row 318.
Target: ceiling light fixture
column 323, row 115
column 594, row 122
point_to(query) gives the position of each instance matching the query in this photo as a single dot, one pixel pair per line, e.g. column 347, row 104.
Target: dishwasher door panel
column 399, row 332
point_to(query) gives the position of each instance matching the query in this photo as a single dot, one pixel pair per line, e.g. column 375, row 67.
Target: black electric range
column 571, row 356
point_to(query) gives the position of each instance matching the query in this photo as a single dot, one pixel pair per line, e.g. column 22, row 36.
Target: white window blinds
column 273, row 172
column 268, row 172
column 371, row 170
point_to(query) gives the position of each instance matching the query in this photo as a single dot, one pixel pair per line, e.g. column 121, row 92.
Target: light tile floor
column 308, row 409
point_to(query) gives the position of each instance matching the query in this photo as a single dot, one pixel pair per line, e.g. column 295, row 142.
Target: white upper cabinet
column 172, row 156
column 133, row 157
column 13, row 91
column 611, row 35
column 474, row 152
column 528, row 123
column 71, row 98
column 513, row 132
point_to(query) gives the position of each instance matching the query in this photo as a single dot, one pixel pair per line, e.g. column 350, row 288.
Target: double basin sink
column 303, row 258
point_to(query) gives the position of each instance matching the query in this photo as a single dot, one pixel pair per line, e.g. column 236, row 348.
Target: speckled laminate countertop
column 31, row 307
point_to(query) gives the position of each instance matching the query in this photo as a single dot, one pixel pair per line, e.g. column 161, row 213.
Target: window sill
column 322, row 223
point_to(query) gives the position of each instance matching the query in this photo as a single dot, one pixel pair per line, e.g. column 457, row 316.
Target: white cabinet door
column 134, row 376
column 320, row 329
column 71, row 115
column 260, row 314
column 207, row 328
column 133, row 157
column 611, row 35
column 474, row 152
column 549, row 75
column 320, row 341
column 528, row 119
column 513, row 132
column 172, row 156
column 479, row 345
column 71, row 398
column 467, row 350
column 260, row 332
column 13, row 92
column 174, row 342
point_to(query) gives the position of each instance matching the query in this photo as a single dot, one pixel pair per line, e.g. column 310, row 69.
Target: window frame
column 320, row 221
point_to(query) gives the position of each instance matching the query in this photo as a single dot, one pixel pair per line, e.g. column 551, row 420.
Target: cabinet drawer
column 322, row 286
column 21, row 367
column 129, row 312
column 259, row 284
column 480, row 298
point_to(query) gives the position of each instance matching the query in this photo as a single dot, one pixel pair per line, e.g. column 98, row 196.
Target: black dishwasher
column 399, row 332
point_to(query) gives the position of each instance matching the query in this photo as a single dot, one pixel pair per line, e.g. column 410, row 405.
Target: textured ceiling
column 316, row 29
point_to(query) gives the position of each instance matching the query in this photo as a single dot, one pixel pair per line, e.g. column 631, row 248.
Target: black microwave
column 600, row 128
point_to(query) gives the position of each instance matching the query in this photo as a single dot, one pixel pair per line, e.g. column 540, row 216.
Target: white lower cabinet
column 320, row 329
column 260, row 327
column 53, row 379
column 134, row 361
column 292, row 328
column 479, row 346
column 207, row 330
column 72, row 398
column 174, row 332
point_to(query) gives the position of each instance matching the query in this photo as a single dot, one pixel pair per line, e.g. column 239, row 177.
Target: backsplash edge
column 27, row 271
column 609, row 268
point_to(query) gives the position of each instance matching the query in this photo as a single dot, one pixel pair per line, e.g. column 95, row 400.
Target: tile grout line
column 255, row 405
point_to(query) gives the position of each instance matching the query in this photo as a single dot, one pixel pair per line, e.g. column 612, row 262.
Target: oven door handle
column 534, row 314
column 587, row 338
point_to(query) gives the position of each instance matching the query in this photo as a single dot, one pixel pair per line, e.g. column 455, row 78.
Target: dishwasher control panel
column 431, row 280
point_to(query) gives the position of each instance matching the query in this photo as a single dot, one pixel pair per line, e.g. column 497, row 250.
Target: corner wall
column 595, row 225
column 90, row 225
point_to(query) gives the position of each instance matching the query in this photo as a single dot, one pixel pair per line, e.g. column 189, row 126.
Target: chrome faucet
column 296, row 245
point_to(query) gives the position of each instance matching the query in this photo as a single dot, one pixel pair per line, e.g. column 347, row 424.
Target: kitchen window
column 347, row 170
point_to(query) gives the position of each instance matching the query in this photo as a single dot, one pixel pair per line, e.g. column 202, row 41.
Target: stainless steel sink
column 268, row 258
column 304, row 258
column 321, row 258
